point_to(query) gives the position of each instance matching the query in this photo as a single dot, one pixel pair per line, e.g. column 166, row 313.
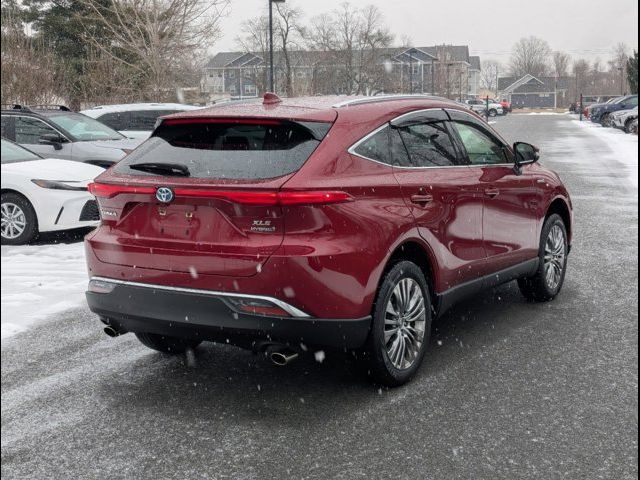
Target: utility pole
column 271, row 74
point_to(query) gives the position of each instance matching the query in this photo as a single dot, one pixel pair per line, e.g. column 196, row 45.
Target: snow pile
column 624, row 147
column 39, row 281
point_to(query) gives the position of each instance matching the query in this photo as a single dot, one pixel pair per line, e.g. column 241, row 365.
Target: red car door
column 442, row 194
column 509, row 222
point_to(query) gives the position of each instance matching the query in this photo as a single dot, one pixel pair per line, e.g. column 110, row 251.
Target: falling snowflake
column 320, row 356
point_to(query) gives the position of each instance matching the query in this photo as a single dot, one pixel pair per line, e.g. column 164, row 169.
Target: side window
column 399, row 155
column 115, row 120
column 376, row 147
column 633, row 102
column 482, row 148
column 7, row 128
column 145, row 120
column 429, row 145
column 29, row 130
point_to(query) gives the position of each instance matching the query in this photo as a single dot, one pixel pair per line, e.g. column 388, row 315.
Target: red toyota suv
column 287, row 225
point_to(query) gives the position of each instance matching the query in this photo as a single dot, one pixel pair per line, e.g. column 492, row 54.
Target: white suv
column 135, row 120
column 480, row 106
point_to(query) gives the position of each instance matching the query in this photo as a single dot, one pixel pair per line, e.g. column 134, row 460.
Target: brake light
column 269, row 198
column 107, row 190
column 313, row 198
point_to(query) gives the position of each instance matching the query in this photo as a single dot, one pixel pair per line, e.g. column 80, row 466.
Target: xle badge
column 263, row 226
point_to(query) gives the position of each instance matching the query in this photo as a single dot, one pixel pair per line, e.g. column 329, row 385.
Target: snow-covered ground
column 39, row 281
column 624, row 147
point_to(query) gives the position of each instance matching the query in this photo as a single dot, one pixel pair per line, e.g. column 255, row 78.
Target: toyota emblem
column 164, row 195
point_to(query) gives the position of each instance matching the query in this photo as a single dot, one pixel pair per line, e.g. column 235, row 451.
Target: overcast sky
column 588, row 28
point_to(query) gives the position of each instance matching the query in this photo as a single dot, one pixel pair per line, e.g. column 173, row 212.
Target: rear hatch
column 202, row 195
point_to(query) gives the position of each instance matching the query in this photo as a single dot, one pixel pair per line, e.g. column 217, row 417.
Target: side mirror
column 526, row 154
column 52, row 139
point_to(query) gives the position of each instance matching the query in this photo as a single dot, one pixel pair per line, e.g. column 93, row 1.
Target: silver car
column 57, row 132
column 624, row 119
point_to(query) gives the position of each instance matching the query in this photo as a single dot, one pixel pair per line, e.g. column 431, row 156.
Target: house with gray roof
column 534, row 92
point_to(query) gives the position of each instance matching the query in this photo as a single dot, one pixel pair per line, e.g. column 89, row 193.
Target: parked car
column 301, row 224
column 43, row 195
column 135, row 120
column 633, row 127
column 55, row 131
column 506, row 105
column 602, row 113
column 591, row 101
column 624, row 118
column 480, row 106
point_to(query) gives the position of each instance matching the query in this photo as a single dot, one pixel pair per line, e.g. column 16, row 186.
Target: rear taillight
column 107, row 190
column 269, row 198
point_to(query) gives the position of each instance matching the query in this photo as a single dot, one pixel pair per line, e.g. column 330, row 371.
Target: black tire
column 627, row 125
column 164, row 344
column 30, row 231
column 381, row 367
column 493, row 112
column 605, row 121
column 537, row 288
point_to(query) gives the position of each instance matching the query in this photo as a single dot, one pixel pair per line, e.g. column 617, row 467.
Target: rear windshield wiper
column 173, row 169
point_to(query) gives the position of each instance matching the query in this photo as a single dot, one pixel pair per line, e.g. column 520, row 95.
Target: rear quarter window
column 236, row 150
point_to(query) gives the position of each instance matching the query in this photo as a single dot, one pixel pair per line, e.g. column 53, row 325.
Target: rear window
column 228, row 149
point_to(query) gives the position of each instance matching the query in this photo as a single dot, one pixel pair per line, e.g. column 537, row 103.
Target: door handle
column 422, row 199
column 492, row 192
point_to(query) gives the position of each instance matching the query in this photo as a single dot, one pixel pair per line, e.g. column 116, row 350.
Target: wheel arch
column 560, row 206
column 419, row 253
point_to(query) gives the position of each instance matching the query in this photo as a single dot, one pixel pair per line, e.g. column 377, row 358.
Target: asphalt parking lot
column 509, row 389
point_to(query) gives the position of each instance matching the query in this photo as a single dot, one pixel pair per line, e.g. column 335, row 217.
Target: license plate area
column 177, row 221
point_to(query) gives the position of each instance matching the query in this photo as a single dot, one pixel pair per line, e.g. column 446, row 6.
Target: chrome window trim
column 290, row 309
column 355, row 146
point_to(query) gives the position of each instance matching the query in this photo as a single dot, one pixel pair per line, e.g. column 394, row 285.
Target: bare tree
column 353, row 38
column 254, row 38
column 530, row 56
column 157, row 39
column 290, row 33
column 490, row 72
column 30, row 72
column 561, row 63
column 618, row 66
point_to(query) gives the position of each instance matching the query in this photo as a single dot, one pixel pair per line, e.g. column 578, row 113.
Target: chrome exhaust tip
column 281, row 356
column 112, row 332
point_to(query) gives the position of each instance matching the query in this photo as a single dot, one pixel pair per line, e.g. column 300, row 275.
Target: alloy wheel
column 404, row 324
column 14, row 221
column 554, row 257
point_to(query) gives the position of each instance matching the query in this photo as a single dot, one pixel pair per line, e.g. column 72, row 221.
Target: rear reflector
column 256, row 306
column 270, row 198
column 98, row 286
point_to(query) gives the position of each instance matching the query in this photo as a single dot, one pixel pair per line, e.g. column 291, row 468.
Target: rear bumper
column 210, row 316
